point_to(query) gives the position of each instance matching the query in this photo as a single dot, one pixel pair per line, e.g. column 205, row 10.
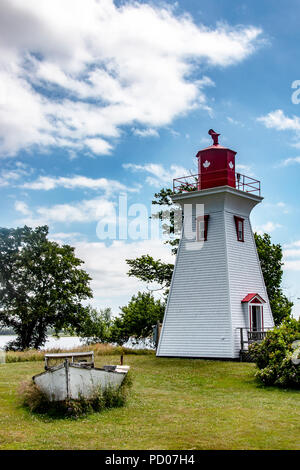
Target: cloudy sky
column 100, row 99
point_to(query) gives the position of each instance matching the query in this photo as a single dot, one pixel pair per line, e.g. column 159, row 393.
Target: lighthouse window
column 239, row 224
column 202, row 227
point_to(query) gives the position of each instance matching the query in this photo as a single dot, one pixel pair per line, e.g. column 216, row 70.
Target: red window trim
column 255, row 300
column 237, row 220
column 200, row 218
column 250, row 317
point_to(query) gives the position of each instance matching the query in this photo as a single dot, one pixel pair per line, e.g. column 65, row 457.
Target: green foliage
column 110, row 397
column 188, row 187
column 150, row 270
column 281, row 306
column 41, row 286
column 270, row 256
column 273, row 356
column 137, row 318
column 163, row 198
column 96, row 328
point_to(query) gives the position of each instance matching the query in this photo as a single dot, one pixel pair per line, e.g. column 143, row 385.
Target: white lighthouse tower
column 218, row 301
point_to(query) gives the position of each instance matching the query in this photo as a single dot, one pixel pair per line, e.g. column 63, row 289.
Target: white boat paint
column 71, row 380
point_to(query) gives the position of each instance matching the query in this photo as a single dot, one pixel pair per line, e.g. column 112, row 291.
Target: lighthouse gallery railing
column 193, row 182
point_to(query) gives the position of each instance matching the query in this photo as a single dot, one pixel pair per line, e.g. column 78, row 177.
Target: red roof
column 250, row 297
column 215, row 147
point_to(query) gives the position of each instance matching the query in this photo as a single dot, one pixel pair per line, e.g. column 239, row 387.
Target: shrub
column 36, row 401
column 273, row 356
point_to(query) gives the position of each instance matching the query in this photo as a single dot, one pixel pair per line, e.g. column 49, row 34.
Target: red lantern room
column 216, row 165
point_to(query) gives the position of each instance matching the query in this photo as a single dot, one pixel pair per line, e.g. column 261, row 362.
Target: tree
column 137, row 318
column 41, row 286
column 149, row 270
column 96, row 328
column 163, row 198
column 270, row 256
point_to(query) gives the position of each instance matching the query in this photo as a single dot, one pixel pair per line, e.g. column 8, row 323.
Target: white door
column 256, row 323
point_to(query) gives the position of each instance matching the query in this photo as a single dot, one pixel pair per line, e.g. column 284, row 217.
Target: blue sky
column 102, row 98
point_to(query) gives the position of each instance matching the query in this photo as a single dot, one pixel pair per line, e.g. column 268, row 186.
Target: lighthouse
column 218, row 302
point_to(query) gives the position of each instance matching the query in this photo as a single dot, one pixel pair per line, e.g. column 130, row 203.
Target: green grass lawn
column 174, row 404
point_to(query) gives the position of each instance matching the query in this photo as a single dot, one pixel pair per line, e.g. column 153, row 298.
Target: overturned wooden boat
column 75, row 375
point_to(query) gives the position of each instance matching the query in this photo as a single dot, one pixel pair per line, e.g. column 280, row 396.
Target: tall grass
column 98, row 348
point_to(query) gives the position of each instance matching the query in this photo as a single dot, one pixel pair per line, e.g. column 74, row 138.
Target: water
column 65, row 342
column 70, row 342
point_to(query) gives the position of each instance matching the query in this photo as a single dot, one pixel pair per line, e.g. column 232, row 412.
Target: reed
column 99, row 349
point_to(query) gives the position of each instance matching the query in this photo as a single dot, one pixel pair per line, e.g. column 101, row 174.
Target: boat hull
column 70, row 381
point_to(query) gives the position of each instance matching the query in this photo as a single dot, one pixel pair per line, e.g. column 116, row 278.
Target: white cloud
column 88, row 210
column 278, row 207
column 83, row 211
column 159, row 175
column 292, row 265
column 107, row 267
column 73, row 73
column 290, row 161
column 234, row 121
column 292, row 244
column 290, row 253
column 145, row 132
column 268, row 227
column 291, row 256
column 74, row 182
column 245, row 169
column 98, row 146
column 279, row 121
column 11, row 175
column 21, row 206
column 205, row 141
column 63, row 237
column 66, row 236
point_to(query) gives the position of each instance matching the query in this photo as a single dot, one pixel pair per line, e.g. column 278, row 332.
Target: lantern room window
column 239, row 225
column 202, row 227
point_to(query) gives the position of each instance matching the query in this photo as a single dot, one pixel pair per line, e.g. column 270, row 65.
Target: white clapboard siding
column 245, row 276
column 197, row 319
column 204, row 309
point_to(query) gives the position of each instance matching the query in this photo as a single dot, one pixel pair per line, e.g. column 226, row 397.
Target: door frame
column 255, row 304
